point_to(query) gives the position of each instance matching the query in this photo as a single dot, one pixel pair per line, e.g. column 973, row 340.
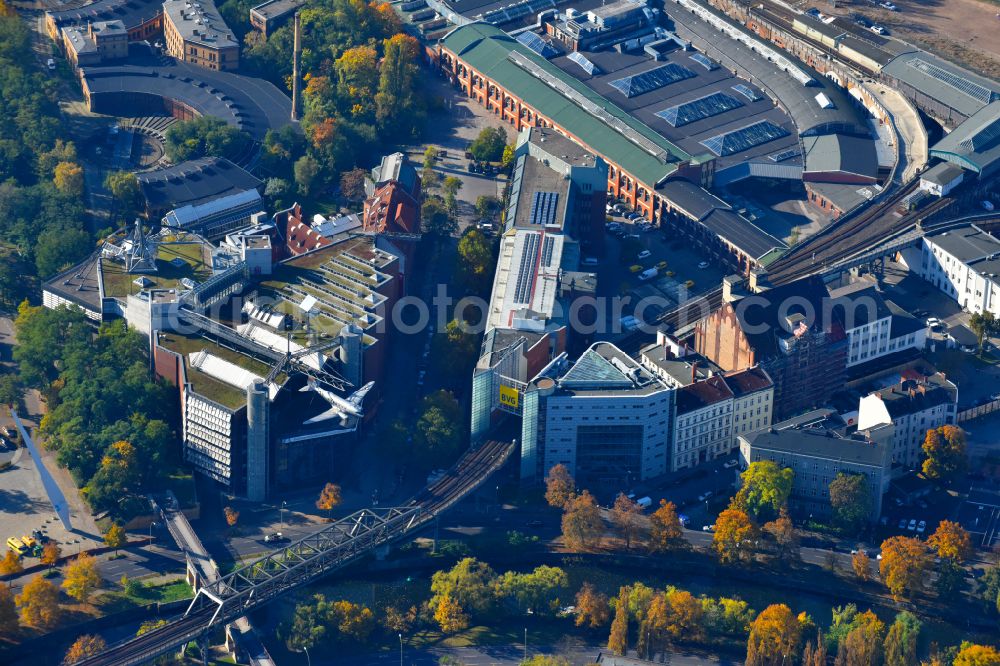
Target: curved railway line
column 467, row 475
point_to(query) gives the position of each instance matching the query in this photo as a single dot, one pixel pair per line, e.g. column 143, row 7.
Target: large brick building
column 783, row 330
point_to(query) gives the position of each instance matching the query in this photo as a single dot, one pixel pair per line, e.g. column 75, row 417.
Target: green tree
column 536, row 592
column 10, row 390
column 487, row 207
column 306, row 170
column 124, row 187
column 469, row 583
column 475, row 262
column 449, row 188
column 945, row 449
column 60, row 247
column 765, row 487
column 900, row 646
column 983, row 324
column 436, row 221
column 727, row 616
column 306, row 628
column 438, row 432
column 851, row 500
column 204, row 136
column 399, row 106
column 989, row 589
column 488, row 146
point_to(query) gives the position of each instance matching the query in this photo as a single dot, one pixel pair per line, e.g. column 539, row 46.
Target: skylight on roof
column 653, row 79
column 538, row 45
column 585, row 63
column 744, row 138
column 698, row 109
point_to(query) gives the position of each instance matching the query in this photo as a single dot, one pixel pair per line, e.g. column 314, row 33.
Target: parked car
column 51, row 64
column 729, row 464
column 645, row 254
column 921, row 526
column 708, row 528
column 635, row 268
column 275, row 537
column 661, row 265
column 705, row 495
column 912, row 525
column 889, row 5
column 703, row 264
column 902, row 523
column 877, row 29
column 589, row 261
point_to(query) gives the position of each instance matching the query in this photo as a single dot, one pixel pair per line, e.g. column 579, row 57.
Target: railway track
column 470, row 471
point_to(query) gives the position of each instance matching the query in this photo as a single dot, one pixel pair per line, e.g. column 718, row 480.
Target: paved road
column 499, row 656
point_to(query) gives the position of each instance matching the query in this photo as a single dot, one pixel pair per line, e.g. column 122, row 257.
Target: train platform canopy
column 975, row 144
column 605, row 127
column 943, row 82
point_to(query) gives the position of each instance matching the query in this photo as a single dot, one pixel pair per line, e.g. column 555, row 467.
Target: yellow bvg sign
column 508, row 396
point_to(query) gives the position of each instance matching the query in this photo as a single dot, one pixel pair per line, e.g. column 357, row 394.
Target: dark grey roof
column 830, row 30
column 702, row 394
column 696, row 201
column 911, row 397
column 942, row 173
column 967, row 244
column 868, row 49
column 975, row 144
column 194, row 182
column 844, row 196
column 963, row 336
column 902, row 323
column 200, row 22
column 916, row 70
column 799, row 100
column 839, row 152
column 132, row 13
column 251, row 104
column 859, row 299
column 819, row 443
column 79, row 284
column 741, row 232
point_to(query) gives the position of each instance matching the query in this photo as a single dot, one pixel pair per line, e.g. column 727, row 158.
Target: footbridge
column 250, row 587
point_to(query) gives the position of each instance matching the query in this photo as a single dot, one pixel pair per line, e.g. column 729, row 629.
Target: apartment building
column 704, row 423
column 753, row 401
column 913, row 406
column 964, row 264
column 195, row 32
column 95, row 43
column 817, row 446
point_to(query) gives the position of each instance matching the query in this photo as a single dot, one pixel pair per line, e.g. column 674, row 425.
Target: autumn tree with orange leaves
column 904, row 566
column 951, row 542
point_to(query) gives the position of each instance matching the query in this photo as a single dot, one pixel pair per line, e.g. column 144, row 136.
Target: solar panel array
column 585, row 63
column 637, row 84
column 543, row 208
column 704, row 61
column 747, row 92
column 526, row 269
column 547, row 250
column 785, row 155
column 538, row 45
column 744, row 138
column 698, row 109
column 959, row 83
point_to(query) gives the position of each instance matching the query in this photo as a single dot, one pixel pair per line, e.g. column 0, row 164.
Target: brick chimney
column 694, row 372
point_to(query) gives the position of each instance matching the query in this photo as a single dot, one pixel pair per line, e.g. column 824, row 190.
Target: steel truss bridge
column 307, row 560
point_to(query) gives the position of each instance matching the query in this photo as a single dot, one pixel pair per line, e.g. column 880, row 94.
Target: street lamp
column 400, row 649
column 281, row 513
column 526, row 644
column 152, row 524
column 309, row 660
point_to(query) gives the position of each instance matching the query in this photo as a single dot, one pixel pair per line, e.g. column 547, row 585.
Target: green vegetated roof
column 486, row 49
column 119, row 284
column 206, row 385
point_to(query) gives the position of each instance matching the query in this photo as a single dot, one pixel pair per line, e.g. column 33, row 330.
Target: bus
column 17, row 545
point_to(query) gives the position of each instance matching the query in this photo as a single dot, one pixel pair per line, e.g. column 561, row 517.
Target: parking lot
column 980, row 516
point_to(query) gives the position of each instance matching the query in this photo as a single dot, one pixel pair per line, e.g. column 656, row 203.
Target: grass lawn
column 117, row 600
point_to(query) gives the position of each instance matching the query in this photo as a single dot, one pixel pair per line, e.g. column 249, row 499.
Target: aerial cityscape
column 500, row 332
